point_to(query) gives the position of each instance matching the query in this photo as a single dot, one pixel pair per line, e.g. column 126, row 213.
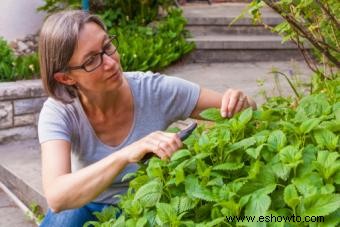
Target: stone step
column 20, row 171
column 240, row 42
column 237, row 48
column 224, row 13
column 245, row 56
column 243, row 41
column 202, row 30
column 11, row 215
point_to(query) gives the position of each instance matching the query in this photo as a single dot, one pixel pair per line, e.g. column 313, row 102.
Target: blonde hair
column 57, row 41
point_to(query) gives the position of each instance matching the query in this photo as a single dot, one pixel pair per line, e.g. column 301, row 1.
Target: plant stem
column 291, row 20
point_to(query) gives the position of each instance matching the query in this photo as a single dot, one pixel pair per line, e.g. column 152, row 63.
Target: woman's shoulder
column 52, row 105
column 140, row 76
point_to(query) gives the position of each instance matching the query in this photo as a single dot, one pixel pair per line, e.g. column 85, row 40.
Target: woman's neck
column 106, row 103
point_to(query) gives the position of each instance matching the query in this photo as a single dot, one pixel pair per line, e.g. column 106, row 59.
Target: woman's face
column 108, row 76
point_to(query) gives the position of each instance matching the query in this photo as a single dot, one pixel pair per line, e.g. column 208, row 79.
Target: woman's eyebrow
column 105, row 37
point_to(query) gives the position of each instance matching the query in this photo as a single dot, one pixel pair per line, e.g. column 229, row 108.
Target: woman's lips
column 114, row 75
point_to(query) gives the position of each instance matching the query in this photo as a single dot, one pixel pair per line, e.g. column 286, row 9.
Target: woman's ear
column 64, row 79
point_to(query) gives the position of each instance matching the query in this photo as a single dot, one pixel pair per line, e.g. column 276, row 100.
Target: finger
column 234, row 97
column 175, row 141
column 158, row 150
column 240, row 104
column 166, row 149
column 225, row 103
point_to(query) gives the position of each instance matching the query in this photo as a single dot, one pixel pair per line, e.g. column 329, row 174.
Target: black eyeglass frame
column 82, row 66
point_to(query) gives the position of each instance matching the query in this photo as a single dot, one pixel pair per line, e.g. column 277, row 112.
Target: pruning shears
column 183, row 134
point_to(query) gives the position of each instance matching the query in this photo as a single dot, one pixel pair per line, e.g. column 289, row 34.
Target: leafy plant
column 152, row 47
column 52, row 6
column 13, row 67
column 280, row 160
column 37, row 213
column 147, row 41
column 7, row 60
column 313, row 23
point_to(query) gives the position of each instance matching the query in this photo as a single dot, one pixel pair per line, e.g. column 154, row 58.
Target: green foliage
column 52, row 6
column 278, row 160
column 146, row 41
column 124, row 11
column 7, row 60
column 152, row 48
column 15, row 68
column 306, row 22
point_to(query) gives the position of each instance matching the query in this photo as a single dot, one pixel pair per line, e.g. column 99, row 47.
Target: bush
column 16, row 68
column 314, row 23
column 281, row 160
column 152, row 47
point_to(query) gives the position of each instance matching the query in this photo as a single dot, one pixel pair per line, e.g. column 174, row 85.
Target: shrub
column 152, row 47
column 281, row 160
column 16, row 68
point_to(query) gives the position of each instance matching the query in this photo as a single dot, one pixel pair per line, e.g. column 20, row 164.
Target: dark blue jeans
column 73, row 217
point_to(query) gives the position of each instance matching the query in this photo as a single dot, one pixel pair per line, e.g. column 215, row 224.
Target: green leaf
column 327, row 163
column 245, row 116
column 309, row 125
column 107, row 214
column 183, row 153
column 254, row 152
column 212, row 114
column 291, row 196
column 179, row 175
column 291, row 156
column 228, row 166
column 182, row 204
column 242, row 144
column 326, row 138
column 194, row 190
column 150, row 193
column 308, row 184
column 277, row 140
column 214, row 222
column 257, row 205
column 165, row 214
column 321, row 205
column 142, row 221
column 120, row 222
column 281, row 170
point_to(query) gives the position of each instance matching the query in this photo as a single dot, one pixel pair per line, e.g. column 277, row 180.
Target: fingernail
column 224, row 114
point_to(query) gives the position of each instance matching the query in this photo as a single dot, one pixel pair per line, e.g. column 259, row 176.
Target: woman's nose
column 108, row 61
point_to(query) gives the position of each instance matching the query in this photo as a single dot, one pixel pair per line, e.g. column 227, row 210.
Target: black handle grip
column 183, row 134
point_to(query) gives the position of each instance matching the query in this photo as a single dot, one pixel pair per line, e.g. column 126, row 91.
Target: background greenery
column 151, row 35
column 280, row 160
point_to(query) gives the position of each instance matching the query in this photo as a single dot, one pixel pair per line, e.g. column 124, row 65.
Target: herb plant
column 279, row 160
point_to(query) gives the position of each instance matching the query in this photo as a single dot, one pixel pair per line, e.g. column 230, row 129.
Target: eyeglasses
column 96, row 60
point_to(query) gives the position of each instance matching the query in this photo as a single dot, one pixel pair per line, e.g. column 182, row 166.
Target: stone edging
column 20, row 104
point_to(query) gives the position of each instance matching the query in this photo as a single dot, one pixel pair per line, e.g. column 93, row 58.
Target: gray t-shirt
column 158, row 101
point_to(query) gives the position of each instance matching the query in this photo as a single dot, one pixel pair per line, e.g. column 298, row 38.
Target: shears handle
column 183, row 134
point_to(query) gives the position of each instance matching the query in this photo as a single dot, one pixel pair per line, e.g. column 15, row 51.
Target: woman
column 98, row 122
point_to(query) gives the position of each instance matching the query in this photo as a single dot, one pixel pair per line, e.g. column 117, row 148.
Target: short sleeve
column 54, row 123
column 177, row 97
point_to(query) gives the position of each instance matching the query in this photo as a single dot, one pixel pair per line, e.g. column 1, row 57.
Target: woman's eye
column 107, row 46
column 90, row 60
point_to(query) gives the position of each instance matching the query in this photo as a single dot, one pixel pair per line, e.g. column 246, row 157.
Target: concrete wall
column 19, row 18
column 20, row 104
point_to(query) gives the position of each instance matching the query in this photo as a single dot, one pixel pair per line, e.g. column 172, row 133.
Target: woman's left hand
column 234, row 101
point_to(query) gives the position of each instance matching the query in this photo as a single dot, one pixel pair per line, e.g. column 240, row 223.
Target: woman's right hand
column 163, row 144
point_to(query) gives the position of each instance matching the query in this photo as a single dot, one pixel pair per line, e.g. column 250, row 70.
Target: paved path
column 244, row 76
column 10, row 214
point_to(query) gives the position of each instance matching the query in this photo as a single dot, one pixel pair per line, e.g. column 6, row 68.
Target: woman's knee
column 68, row 218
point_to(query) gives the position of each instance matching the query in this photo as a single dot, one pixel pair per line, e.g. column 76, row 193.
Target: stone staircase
column 240, row 42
